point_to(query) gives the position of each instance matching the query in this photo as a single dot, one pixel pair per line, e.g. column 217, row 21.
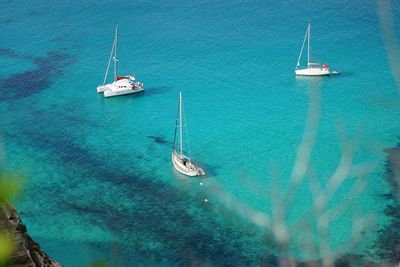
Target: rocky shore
column 27, row 252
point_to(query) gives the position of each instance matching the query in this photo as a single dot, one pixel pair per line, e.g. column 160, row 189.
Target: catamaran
column 313, row 69
column 121, row 85
column 183, row 163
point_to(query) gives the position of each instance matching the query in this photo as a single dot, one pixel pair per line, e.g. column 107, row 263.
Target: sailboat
column 313, row 69
column 183, row 163
column 121, row 85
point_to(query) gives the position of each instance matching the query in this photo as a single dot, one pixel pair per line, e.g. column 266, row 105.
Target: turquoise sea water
column 99, row 181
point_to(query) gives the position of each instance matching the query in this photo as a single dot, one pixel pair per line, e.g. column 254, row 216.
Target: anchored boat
column 122, row 85
column 313, row 69
column 183, row 163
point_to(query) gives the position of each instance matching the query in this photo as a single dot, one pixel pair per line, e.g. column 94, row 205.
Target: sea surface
column 99, row 183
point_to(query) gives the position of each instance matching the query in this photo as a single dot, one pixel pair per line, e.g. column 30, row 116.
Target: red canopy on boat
column 122, row 77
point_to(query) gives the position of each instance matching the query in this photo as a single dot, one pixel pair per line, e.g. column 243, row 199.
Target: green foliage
column 6, row 247
column 10, row 186
column 99, row 263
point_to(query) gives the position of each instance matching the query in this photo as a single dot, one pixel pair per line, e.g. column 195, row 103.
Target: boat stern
column 102, row 88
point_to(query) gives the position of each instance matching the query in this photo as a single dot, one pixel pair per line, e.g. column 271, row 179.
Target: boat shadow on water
column 157, row 90
column 160, row 140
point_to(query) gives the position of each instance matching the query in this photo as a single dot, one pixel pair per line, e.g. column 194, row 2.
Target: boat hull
column 189, row 169
column 313, row 72
column 102, row 88
column 111, row 93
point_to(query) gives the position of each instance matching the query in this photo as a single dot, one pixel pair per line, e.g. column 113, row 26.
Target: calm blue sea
column 99, row 180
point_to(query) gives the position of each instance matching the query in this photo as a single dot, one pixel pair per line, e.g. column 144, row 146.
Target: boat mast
column 309, row 33
column 115, row 53
column 301, row 50
column 109, row 62
column 180, row 124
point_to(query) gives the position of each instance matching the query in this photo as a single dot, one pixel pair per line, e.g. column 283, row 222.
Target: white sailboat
column 313, row 69
column 121, row 85
column 183, row 163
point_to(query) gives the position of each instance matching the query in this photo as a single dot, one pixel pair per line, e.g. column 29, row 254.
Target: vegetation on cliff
column 16, row 247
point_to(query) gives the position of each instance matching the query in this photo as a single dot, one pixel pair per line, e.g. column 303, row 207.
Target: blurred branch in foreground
column 310, row 232
column 388, row 30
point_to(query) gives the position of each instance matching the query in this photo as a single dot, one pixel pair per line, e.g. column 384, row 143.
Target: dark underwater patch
column 393, row 168
column 186, row 228
column 157, row 213
column 34, row 13
column 159, row 140
column 185, row 237
column 388, row 241
column 8, row 52
column 188, row 231
column 27, row 83
column 85, row 210
column 387, row 196
column 6, row 21
column 346, row 260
